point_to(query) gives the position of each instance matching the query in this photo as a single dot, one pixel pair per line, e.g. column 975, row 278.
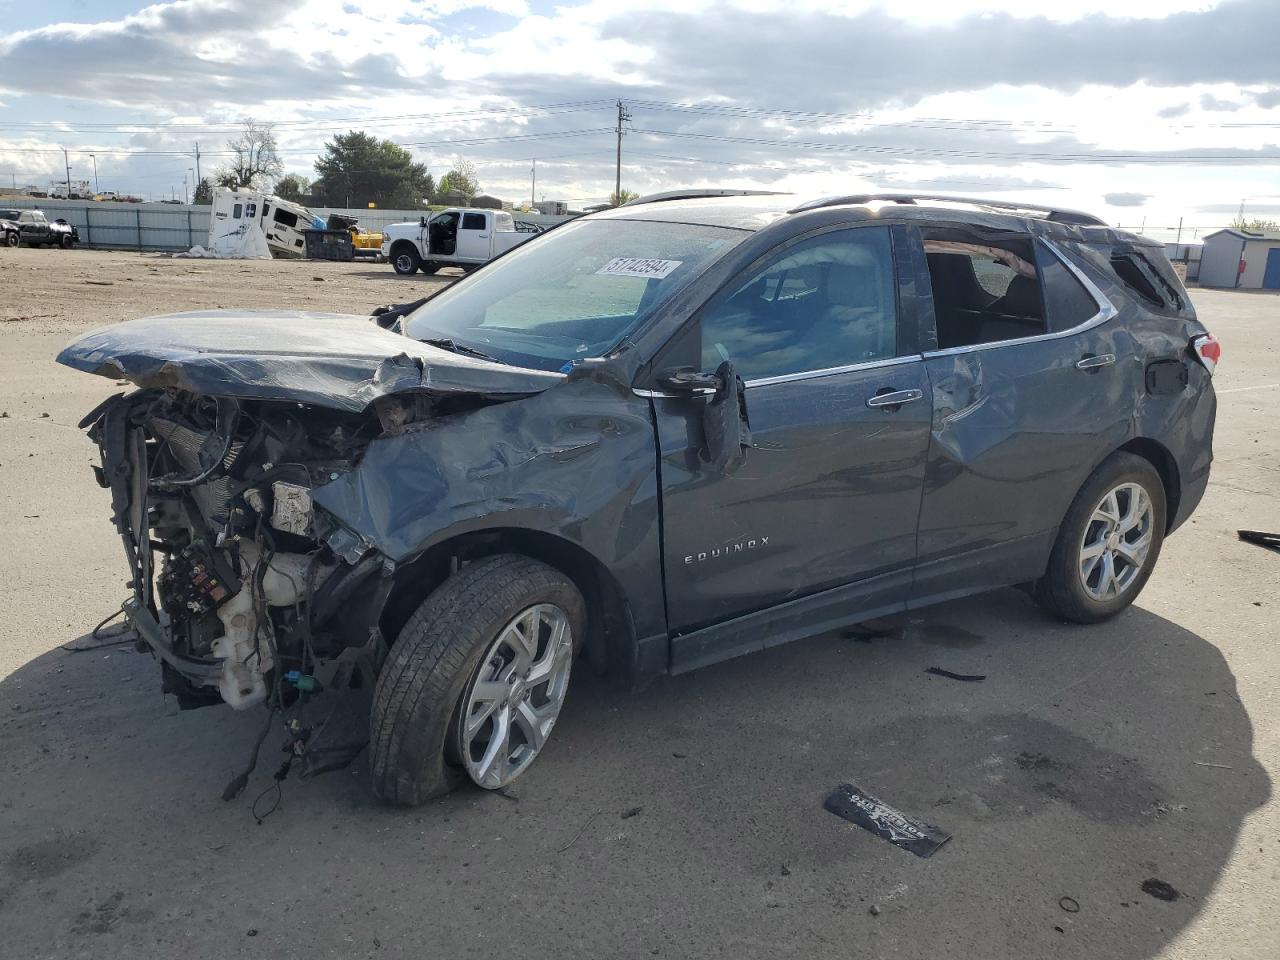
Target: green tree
column 1255, row 226
column 292, row 186
column 204, row 192
column 358, row 169
column 461, row 180
column 618, row 199
column 255, row 157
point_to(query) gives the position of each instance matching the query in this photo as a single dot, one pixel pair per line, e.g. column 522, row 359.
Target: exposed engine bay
column 245, row 590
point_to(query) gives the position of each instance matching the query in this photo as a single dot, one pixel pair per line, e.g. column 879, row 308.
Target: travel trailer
column 281, row 222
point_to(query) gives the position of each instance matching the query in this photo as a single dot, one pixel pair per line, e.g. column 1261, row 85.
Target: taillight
column 1208, row 350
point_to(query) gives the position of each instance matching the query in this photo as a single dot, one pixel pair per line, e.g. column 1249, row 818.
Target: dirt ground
column 1090, row 761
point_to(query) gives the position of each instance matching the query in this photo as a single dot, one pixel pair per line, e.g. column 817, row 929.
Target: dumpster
column 329, row 245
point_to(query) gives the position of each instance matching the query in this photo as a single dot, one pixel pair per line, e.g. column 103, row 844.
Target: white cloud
column 1088, row 79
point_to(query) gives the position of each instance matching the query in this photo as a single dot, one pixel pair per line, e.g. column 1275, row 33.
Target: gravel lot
column 1091, row 759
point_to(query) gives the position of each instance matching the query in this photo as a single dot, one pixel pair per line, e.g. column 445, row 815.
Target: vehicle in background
column 31, row 228
column 667, row 434
column 75, row 190
column 282, row 222
column 457, row 237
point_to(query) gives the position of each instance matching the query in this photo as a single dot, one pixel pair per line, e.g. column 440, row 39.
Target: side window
column 236, row 211
column 286, row 217
column 1068, row 303
column 983, row 292
column 829, row 301
column 473, row 221
column 250, row 210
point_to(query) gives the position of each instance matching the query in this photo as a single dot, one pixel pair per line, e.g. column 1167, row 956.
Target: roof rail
column 699, row 194
column 1050, row 213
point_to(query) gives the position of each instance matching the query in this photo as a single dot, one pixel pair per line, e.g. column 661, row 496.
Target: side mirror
column 689, row 380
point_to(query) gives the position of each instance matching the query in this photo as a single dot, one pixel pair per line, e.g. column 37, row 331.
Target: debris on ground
column 1269, row 540
column 1160, row 890
column 1069, row 904
column 966, row 677
column 630, row 812
column 876, row 816
column 875, row 910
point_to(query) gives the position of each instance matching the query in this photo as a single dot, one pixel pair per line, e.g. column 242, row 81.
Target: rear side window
column 1066, row 300
column 1151, row 278
column 1132, row 276
column 473, row 221
column 286, row 218
column 984, row 292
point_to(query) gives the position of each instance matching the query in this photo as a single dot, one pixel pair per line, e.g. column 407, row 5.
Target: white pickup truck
column 458, row 237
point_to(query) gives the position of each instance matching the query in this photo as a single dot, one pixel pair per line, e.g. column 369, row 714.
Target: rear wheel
column 475, row 681
column 11, row 239
column 65, row 242
column 1108, row 543
column 405, row 260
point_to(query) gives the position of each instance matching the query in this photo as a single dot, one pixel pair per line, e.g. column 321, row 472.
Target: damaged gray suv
column 658, row 436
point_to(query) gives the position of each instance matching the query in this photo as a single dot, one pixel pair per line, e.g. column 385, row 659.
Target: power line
column 1030, row 156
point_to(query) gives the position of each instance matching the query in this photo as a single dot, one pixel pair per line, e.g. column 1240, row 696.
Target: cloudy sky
column 1170, row 109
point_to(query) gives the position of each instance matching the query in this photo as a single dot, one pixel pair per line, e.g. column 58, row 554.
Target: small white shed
column 1236, row 259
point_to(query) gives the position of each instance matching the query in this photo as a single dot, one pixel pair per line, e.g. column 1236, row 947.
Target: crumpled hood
column 327, row 359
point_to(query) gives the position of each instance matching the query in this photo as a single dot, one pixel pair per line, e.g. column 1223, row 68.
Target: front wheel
column 11, row 239
column 1108, row 543
column 65, row 242
column 475, row 681
column 405, row 261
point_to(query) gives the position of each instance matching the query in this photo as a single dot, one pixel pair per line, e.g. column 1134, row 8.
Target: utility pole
column 1179, row 240
column 67, row 163
column 623, row 116
column 94, row 158
column 197, row 161
column 533, row 187
column 184, row 189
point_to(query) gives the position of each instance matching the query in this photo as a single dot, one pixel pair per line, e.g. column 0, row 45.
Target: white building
column 1235, row 259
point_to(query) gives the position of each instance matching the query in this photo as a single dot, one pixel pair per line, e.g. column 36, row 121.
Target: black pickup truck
column 32, row 228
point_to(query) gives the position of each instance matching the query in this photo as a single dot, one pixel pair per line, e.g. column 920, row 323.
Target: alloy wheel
column 1116, row 542
column 511, row 704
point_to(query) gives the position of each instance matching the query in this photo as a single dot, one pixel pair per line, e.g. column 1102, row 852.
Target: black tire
column 12, row 239
column 65, row 242
column 1061, row 591
column 405, row 260
column 430, row 266
column 417, row 697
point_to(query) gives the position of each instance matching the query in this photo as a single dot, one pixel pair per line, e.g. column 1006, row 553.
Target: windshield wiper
column 454, row 347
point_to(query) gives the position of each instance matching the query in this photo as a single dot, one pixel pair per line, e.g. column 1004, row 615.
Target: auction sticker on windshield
column 638, row 267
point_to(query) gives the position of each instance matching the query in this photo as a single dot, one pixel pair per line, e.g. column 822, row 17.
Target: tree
column 461, row 180
column 1255, row 226
column 357, row 169
column 292, row 186
column 618, row 199
column 255, row 157
column 204, row 192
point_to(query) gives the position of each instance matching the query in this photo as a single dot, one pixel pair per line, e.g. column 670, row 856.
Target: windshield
column 573, row 294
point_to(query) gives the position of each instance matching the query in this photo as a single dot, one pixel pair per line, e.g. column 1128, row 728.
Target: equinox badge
column 717, row 552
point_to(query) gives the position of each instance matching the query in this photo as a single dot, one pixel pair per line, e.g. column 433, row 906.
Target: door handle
column 1092, row 362
column 894, row 398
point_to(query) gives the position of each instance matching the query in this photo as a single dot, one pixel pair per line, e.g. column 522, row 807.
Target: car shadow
column 686, row 819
